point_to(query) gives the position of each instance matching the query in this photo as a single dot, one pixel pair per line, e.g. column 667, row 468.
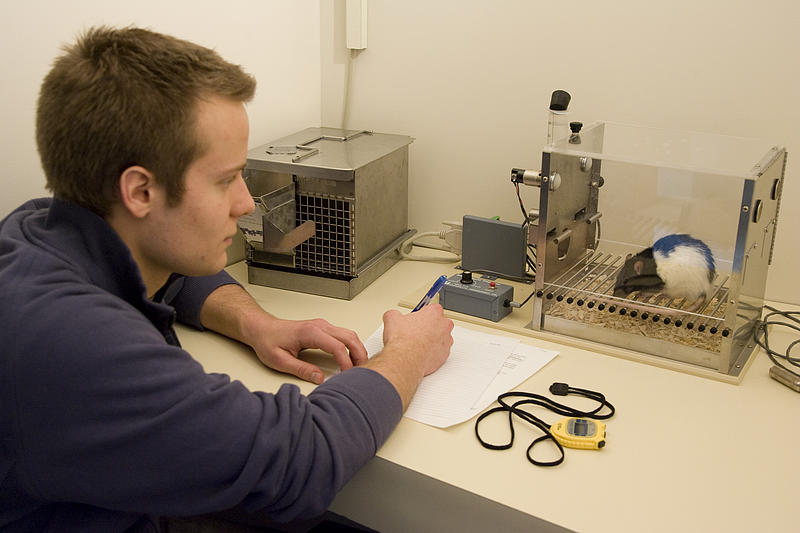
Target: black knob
column 559, row 100
column 575, row 127
column 466, row 277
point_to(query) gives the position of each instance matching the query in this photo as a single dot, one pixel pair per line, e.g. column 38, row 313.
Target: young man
column 105, row 422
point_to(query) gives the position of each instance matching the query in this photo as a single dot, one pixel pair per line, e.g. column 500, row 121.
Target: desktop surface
column 683, row 452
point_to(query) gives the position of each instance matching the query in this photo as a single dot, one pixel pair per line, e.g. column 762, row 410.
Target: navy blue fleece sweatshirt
column 106, row 422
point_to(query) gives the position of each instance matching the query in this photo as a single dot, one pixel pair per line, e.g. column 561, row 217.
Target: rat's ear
column 628, row 256
column 638, row 267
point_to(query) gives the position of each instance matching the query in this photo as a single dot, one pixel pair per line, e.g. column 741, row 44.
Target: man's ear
column 137, row 189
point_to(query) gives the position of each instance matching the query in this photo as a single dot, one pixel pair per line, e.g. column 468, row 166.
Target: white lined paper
column 480, row 365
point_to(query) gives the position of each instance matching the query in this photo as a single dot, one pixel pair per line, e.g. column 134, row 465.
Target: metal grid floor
column 590, row 284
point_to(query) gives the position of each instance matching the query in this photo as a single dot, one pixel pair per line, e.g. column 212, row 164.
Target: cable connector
column 450, row 243
column 453, row 236
column 559, row 389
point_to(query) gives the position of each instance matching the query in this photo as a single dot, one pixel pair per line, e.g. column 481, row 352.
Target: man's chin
column 197, row 271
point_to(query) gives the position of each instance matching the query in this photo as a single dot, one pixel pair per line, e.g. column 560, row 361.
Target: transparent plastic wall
column 659, row 182
column 623, row 187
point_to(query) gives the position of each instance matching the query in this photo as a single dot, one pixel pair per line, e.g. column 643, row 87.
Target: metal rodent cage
column 331, row 209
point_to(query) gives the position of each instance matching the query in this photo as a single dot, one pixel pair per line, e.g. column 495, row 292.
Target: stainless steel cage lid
column 329, row 153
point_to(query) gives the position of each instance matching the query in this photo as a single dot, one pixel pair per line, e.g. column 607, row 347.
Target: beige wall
column 277, row 42
column 470, row 80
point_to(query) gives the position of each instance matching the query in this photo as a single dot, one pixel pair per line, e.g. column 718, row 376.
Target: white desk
column 684, row 453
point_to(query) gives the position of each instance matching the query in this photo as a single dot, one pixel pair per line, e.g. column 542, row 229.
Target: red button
column 491, row 284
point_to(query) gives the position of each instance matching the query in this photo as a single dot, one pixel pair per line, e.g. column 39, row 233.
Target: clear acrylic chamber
column 618, row 191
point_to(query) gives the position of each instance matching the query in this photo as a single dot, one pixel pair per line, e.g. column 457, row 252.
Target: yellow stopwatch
column 581, row 430
column 580, row 433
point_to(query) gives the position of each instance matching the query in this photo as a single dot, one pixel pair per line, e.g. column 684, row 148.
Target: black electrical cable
column 522, row 207
column 531, row 260
column 763, row 327
column 528, row 398
column 523, row 302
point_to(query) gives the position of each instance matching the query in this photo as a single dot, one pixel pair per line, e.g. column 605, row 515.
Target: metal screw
column 545, row 179
column 745, row 208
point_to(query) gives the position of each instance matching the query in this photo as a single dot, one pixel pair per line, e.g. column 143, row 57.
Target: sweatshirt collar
column 94, row 246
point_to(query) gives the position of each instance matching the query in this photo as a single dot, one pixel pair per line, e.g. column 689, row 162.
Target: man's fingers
column 356, row 349
column 289, row 364
column 316, row 337
column 343, row 344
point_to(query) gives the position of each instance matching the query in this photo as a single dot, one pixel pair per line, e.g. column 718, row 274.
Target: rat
column 677, row 265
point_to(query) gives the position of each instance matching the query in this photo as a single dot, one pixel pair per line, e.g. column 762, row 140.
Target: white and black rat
column 677, row 265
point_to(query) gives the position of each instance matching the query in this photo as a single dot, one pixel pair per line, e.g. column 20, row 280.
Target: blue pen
column 437, row 285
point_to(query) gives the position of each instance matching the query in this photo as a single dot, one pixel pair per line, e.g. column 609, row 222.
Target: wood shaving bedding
column 646, row 327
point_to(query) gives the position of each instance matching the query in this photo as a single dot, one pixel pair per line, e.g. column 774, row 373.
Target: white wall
column 471, row 80
column 277, row 42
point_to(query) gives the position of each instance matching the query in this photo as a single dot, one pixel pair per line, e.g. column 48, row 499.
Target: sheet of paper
column 521, row 364
column 479, row 364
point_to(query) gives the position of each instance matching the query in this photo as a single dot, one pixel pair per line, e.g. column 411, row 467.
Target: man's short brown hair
column 124, row 97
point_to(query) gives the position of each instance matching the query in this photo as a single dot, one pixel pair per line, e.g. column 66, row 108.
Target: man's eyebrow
column 230, row 171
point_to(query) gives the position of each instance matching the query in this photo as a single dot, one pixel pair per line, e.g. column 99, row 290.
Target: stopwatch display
column 581, row 433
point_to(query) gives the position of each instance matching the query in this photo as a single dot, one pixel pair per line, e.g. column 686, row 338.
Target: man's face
column 192, row 237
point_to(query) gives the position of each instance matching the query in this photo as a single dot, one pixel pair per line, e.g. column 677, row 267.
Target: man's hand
column 425, row 333
column 414, row 345
column 278, row 342
column 231, row 311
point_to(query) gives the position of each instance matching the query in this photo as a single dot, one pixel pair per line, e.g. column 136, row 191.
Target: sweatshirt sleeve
column 109, row 415
column 187, row 295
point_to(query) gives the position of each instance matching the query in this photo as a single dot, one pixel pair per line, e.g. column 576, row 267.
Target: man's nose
column 243, row 202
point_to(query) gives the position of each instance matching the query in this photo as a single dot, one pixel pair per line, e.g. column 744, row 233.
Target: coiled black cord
column 528, row 398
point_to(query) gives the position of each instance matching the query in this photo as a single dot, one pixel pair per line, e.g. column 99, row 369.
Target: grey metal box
column 331, row 209
column 478, row 298
column 494, row 246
